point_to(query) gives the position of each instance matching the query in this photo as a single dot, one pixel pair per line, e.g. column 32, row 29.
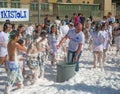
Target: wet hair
column 93, row 23
column 66, row 16
column 5, row 26
column 103, row 25
column 63, row 22
column 14, row 34
column 57, row 17
column 20, row 41
column 7, row 21
column 98, row 26
column 109, row 13
column 43, row 33
column 20, row 26
column 104, row 17
column 36, row 28
column 110, row 22
column 55, row 26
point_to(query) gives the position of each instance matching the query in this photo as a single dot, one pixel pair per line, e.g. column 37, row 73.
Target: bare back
column 11, row 50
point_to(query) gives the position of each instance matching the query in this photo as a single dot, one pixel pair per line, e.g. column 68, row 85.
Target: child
column 42, row 46
column 53, row 39
column 97, row 45
column 106, row 39
column 21, row 57
column 37, row 57
column 14, row 71
column 33, row 63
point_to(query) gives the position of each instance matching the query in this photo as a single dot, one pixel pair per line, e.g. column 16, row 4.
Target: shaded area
column 87, row 88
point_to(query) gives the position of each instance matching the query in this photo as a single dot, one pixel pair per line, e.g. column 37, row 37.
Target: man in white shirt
column 75, row 47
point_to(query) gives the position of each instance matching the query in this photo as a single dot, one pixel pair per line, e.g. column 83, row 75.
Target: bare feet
column 7, row 90
column 20, row 86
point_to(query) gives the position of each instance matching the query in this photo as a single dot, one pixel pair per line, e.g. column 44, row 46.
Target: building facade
column 106, row 6
column 21, row 3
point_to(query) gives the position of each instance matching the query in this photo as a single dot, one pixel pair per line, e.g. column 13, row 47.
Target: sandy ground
column 86, row 81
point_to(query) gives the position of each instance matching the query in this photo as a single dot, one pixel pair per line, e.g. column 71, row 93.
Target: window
column 68, row 1
column 83, row 2
column 15, row 3
column 45, row 6
column 88, row 2
column 3, row 4
column 59, row 0
column 34, row 6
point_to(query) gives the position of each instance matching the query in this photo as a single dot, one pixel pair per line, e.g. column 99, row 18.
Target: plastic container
column 65, row 71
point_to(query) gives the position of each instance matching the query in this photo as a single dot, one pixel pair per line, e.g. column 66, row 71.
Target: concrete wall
column 114, row 9
column 105, row 5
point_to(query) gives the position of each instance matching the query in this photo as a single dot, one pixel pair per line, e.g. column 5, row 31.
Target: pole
column 38, row 11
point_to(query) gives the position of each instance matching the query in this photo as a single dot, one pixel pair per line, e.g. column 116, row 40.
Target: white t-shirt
column 111, row 19
column 106, row 37
column 3, row 39
column 64, row 29
column 97, row 40
column 57, row 22
column 53, row 40
column 29, row 30
column 75, row 39
column 42, row 45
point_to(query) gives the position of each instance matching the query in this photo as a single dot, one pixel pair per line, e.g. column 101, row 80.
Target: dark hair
column 93, row 23
column 98, row 26
column 54, row 25
column 110, row 13
column 79, row 14
column 20, row 41
column 104, row 17
column 14, row 34
column 43, row 33
column 36, row 28
column 66, row 16
column 20, row 26
column 13, row 26
column 74, row 13
column 57, row 17
column 110, row 22
column 102, row 25
column 5, row 26
column 7, row 21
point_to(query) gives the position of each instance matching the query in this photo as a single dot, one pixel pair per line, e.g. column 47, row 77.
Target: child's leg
column 117, row 49
column 41, row 75
column 20, row 85
column 104, row 55
column 95, row 59
column 12, row 75
column 100, row 59
column 23, row 72
column 53, row 59
column 1, row 60
column 20, row 78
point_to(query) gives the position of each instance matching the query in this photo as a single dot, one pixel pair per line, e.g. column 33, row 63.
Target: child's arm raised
column 18, row 46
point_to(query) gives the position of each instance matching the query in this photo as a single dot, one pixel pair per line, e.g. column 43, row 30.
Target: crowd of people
column 63, row 39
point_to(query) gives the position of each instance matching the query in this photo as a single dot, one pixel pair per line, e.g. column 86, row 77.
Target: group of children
column 42, row 45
